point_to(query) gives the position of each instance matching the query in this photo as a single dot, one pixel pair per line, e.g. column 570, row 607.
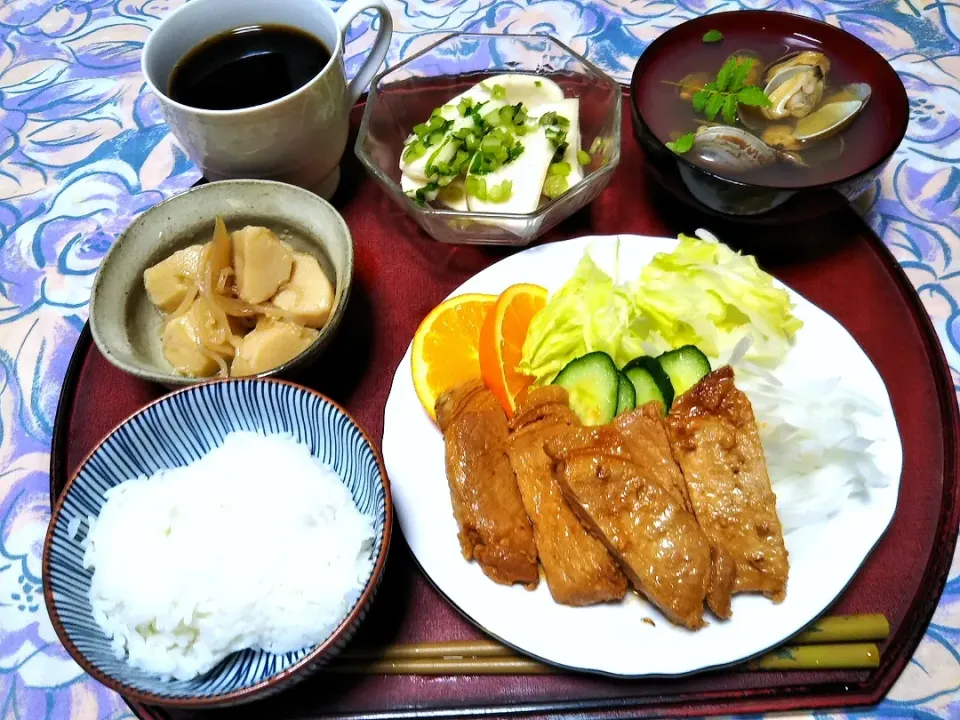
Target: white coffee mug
column 298, row 138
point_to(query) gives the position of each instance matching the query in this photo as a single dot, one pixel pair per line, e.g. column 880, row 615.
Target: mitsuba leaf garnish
column 682, row 144
column 712, row 36
column 724, row 95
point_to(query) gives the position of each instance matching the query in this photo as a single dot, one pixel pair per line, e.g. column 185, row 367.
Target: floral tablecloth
column 83, row 150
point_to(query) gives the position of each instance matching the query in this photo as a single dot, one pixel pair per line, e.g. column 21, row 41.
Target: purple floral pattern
column 83, row 150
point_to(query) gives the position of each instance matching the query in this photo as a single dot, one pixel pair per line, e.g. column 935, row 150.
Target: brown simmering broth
column 669, row 116
column 247, row 66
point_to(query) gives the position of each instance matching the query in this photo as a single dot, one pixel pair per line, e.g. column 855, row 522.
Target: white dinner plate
column 613, row 638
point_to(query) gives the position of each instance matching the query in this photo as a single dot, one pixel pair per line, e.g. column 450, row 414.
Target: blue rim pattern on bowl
column 167, row 434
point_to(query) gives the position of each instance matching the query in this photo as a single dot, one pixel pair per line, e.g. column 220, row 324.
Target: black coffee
column 246, row 67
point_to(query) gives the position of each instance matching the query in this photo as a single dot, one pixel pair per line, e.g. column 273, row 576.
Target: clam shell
column 730, row 150
column 794, row 92
column 835, row 114
column 801, row 58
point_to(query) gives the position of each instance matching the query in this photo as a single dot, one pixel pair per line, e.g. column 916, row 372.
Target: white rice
column 255, row 545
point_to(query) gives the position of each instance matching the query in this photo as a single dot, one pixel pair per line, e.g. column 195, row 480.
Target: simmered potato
column 167, row 282
column 261, row 262
column 308, row 294
column 241, row 304
column 183, row 338
column 271, row 343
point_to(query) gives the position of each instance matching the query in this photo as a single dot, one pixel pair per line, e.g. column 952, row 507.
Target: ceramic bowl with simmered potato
column 234, row 278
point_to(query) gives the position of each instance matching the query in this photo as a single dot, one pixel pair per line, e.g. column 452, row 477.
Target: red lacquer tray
column 837, row 263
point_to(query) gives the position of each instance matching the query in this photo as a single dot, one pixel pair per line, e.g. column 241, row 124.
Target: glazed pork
column 577, row 566
column 645, row 438
column 657, row 543
column 714, row 437
column 494, row 529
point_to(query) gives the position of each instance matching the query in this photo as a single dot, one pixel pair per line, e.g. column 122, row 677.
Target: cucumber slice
column 593, row 384
column 649, row 381
column 685, row 367
column 626, row 395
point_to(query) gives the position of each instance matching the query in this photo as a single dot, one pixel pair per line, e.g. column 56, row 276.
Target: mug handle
column 345, row 15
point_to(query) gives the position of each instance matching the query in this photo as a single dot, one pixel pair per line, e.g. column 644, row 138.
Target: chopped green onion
column 435, row 139
column 555, row 186
column 477, row 187
column 516, row 151
column 537, row 83
column 420, row 195
column 499, row 92
column 506, row 114
column 500, row 193
column 491, row 143
column 493, row 118
column 421, row 130
column 473, row 142
column 548, row 118
column 415, row 150
column 559, row 168
column 460, row 161
column 464, row 106
column 557, row 138
column 583, row 157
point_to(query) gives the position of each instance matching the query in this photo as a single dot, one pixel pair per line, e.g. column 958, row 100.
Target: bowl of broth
column 744, row 113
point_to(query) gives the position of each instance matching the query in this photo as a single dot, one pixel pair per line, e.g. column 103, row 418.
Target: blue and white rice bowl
column 174, row 431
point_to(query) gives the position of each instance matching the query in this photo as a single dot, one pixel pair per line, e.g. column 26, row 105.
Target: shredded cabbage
column 702, row 293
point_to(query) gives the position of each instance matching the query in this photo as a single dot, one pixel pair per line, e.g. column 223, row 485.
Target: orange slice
column 445, row 349
column 501, row 342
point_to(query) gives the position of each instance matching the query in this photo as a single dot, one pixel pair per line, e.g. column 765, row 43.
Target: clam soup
column 762, row 110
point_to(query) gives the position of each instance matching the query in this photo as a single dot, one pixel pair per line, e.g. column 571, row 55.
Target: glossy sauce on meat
column 714, row 437
column 494, row 529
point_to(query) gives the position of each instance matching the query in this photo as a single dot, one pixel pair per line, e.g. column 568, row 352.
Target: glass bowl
column 405, row 95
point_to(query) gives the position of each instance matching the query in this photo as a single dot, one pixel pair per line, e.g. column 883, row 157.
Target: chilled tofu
column 526, row 175
column 308, row 294
column 452, row 196
column 261, row 262
column 409, row 185
column 531, row 90
column 168, row 281
column 270, row 344
column 570, row 109
column 416, row 169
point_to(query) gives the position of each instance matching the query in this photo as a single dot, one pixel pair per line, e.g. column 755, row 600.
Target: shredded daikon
column 813, row 437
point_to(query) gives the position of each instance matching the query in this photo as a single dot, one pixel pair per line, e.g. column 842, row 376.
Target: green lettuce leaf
column 706, row 294
column 703, row 293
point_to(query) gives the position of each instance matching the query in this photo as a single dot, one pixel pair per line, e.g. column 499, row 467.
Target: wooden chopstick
column 838, row 642
column 836, row 656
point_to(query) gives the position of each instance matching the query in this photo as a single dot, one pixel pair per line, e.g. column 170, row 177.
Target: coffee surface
column 247, row 66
